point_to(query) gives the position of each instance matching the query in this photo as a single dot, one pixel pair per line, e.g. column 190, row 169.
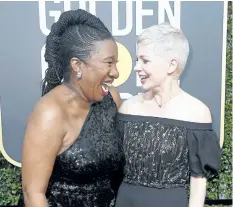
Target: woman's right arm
column 42, row 142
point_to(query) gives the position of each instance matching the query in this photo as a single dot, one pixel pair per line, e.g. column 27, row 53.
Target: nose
column 114, row 72
column 137, row 67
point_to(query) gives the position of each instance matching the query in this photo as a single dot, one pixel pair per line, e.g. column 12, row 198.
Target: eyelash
column 144, row 61
column 110, row 63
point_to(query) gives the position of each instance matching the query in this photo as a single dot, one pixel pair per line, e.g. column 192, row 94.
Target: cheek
column 101, row 74
column 148, row 68
column 157, row 72
column 96, row 75
column 95, row 80
column 90, row 82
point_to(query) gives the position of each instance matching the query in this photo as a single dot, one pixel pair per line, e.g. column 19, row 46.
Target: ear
column 76, row 64
column 173, row 66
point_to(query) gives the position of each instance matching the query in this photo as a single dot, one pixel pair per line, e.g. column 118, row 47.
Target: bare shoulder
column 42, row 143
column 116, row 96
column 46, row 116
column 199, row 111
column 47, row 107
column 127, row 107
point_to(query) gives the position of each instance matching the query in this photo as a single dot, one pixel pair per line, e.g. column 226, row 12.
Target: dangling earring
column 79, row 75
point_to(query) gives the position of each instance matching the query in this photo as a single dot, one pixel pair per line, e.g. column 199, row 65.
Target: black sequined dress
column 89, row 172
column 161, row 154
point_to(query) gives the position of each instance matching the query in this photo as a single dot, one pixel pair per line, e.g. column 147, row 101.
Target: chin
column 98, row 98
column 147, row 87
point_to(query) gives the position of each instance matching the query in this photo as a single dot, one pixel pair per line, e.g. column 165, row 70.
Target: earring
column 79, row 75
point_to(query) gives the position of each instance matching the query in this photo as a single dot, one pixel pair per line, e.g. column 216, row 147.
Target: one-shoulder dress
column 89, row 172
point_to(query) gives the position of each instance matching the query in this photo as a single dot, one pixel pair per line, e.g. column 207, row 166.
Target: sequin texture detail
column 161, row 155
column 90, row 171
column 156, row 154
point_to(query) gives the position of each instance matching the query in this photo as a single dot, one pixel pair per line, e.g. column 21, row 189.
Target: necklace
column 161, row 103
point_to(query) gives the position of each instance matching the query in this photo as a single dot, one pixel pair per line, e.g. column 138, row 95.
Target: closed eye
column 109, row 64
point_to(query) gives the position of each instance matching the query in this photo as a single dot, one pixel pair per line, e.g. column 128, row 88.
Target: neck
column 78, row 93
column 165, row 92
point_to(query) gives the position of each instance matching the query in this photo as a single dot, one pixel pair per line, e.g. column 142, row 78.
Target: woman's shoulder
column 187, row 111
column 195, row 109
column 47, row 108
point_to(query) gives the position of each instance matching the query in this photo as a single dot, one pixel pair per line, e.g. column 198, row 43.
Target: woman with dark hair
column 72, row 152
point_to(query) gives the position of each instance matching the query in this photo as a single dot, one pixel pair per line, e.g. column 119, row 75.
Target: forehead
column 105, row 49
column 146, row 49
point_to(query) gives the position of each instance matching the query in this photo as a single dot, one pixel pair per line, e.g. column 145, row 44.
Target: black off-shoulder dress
column 161, row 154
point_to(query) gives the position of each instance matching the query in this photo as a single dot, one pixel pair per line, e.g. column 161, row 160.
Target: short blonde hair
column 170, row 43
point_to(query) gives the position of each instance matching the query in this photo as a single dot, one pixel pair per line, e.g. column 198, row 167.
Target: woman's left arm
column 199, row 142
column 197, row 191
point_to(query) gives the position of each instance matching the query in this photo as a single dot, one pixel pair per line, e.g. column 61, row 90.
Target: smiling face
column 162, row 52
column 152, row 69
column 99, row 71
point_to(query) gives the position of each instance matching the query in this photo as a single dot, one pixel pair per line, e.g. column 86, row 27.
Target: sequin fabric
column 89, row 173
column 156, row 154
column 163, row 153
